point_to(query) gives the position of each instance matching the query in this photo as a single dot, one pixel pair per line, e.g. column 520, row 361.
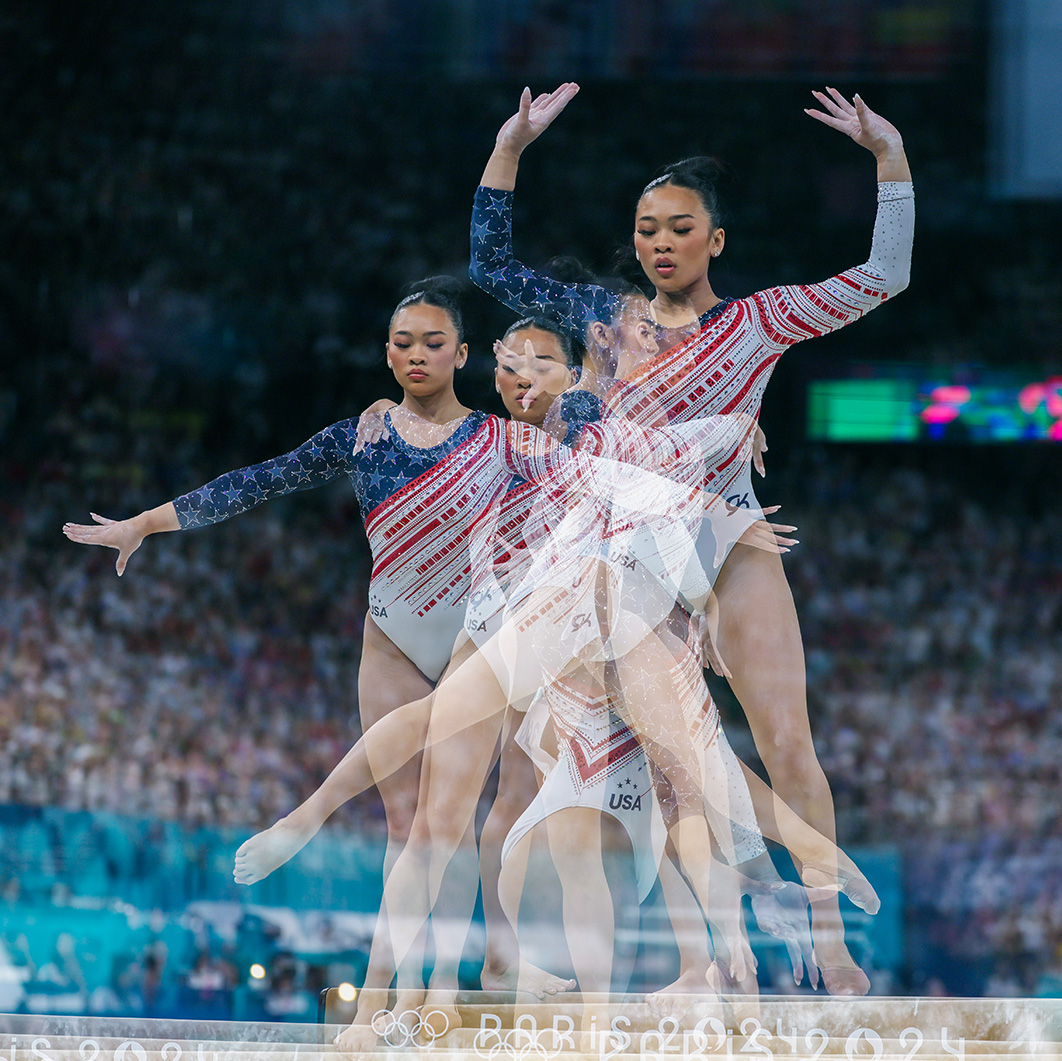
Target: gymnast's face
column 423, row 351
column 550, row 366
column 619, row 347
column 674, row 237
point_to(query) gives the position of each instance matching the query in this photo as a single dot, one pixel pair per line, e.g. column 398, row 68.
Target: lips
column 664, row 266
column 416, row 376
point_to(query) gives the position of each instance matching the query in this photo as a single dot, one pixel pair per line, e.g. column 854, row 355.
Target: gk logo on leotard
column 735, row 502
column 581, row 620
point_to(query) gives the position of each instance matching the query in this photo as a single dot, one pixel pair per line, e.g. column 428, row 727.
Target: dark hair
column 572, row 355
column 700, row 174
column 443, row 291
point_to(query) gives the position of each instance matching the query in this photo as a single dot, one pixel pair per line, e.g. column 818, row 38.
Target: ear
column 716, row 241
column 598, row 331
column 462, row 355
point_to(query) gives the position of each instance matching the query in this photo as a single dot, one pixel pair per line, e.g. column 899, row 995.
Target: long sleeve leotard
column 411, row 503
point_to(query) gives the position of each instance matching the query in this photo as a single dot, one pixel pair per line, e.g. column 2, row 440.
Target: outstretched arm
column 788, row 315
column 125, row 535
column 316, row 461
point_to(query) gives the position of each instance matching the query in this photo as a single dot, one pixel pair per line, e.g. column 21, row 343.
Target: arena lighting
column 347, row 992
column 257, row 971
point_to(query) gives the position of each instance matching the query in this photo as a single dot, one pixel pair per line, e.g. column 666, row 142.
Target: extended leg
column 759, row 639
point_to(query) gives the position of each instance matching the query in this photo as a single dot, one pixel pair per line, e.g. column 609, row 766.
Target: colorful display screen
column 911, row 403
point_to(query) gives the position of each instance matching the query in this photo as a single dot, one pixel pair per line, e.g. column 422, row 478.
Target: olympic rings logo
column 410, row 1028
column 517, row 1044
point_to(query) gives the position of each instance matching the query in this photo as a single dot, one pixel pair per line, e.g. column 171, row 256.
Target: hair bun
column 702, row 174
column 443, row 291
column 443, row 284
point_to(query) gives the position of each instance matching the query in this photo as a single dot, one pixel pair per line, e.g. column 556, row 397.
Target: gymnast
column 724, row 366
column 539, row 633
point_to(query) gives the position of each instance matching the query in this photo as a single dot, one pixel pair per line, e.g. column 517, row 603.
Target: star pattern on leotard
column 377, row 472
column 495, row 268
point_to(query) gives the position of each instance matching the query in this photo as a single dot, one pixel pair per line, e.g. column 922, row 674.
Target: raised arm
column 532, row 119
column 494, row 266
column 890, row 255
column 880, row 137
column 787, row 315
column 317, row 461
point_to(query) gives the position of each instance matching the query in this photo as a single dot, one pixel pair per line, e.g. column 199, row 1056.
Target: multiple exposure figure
column 547, row 589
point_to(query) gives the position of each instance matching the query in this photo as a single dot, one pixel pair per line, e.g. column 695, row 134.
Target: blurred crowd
column 189, row 223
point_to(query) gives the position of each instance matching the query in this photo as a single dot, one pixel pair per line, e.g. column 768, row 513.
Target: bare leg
column 503, row 968
column 691, row 936
column 455, row 774
column 589, row 919
column 382, row 749
column 759, row 638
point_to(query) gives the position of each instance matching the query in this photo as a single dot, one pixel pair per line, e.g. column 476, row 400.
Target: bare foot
column 675, row 999
column 357, row 1040
column 820, row 881
column 525, row 978
column 438, row 1017
column 265, row 851
column 841, row 974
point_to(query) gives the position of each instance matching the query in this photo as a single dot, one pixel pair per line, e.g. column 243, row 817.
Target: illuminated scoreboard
column 911, row 403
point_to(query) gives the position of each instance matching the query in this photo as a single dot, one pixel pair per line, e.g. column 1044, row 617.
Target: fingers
column 102, row 519
column 839, row 113
column 865, row 115
column 85, row 533
column 372, row 428
column 796, row 959
column 547, row 106
column 715, row 661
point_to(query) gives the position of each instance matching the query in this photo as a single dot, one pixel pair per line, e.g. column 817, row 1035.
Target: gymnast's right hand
column 125, row 535
column 534, row 117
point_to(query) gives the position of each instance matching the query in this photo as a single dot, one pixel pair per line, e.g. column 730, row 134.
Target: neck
column 671, row 308
column 435, row 408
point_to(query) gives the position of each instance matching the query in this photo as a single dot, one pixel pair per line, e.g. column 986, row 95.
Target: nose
column 662, row 244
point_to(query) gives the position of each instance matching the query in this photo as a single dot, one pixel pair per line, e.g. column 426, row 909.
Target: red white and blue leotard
column 411, row 503
column 422, row 506
column 724, row 367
